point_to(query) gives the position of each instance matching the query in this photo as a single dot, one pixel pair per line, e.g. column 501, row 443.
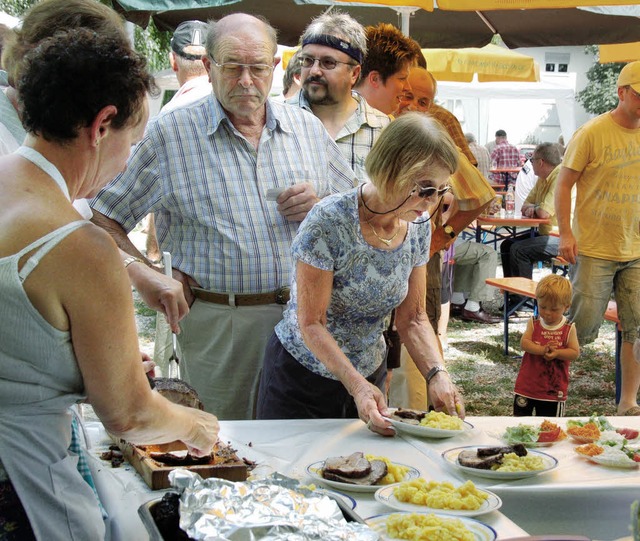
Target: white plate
column 481, row 531
column 529, row 444
column 428, row 432
column 385, row 495
column 620, row 460
column 612, row 462
column 348, row 500
column 314, row 471
column 451, row 456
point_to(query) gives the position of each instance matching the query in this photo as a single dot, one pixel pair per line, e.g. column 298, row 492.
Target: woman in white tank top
column 67, row 327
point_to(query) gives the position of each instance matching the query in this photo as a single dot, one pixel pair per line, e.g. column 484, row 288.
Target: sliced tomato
column 628, row 433
column 636, row 457
column 549, row 435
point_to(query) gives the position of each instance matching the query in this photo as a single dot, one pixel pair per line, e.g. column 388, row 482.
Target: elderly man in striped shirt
column 229, row 177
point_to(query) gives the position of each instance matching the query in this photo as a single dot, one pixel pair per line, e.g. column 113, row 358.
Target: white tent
column 480, row 99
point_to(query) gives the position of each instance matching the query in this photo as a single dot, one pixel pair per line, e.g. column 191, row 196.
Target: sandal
column 635, row 410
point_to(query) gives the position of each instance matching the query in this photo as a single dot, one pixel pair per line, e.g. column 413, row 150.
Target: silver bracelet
column 431, row 373
column 132, row 259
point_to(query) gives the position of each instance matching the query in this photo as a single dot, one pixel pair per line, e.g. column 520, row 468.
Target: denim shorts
column 593, row 282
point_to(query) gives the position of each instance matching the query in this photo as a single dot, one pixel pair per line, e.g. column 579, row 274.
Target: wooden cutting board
column 225, row 463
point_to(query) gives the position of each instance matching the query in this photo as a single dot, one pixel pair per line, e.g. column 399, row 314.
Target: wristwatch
column 449, row 231
column 431, row 373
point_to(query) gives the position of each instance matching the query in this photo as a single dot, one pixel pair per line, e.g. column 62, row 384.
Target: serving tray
column 224, row 465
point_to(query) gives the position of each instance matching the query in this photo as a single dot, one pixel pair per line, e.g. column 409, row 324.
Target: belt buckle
column 282, row 295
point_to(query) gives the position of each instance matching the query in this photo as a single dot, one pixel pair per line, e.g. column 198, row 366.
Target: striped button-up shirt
column 452, row 125
column 206, row 185
column 357, row 136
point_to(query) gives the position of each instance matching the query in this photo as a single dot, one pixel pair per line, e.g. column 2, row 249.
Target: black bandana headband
column 335, row 43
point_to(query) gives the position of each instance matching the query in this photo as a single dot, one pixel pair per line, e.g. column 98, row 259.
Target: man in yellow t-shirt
column 603, row 162
column 521, row 252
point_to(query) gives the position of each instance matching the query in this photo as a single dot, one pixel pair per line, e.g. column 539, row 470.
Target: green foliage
column 154, row 45
column 151, row 42
column 16, row 7
column 600, row 94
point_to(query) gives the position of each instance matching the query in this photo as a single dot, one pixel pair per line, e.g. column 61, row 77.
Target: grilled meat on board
column 178, row 392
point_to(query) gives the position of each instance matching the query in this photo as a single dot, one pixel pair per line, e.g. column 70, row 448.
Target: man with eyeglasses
column 333, row 48
column 521, row 251
column 421, row 97
column 602, row 242
column 472, row 194
column 230, row 177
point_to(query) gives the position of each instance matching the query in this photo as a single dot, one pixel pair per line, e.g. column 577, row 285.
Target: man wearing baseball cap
column 603, row 242
column 187, row 49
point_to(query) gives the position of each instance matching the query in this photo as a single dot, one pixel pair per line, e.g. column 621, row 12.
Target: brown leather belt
column 280, row 296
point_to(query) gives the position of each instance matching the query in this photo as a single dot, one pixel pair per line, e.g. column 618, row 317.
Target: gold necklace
column 386, row 241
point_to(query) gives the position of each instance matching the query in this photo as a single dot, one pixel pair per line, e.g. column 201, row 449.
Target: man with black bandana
column 333, row 47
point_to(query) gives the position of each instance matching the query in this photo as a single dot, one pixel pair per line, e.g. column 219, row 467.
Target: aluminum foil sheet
column 275, row 508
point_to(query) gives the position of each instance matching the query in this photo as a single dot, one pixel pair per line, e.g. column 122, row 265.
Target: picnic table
column 495, row 228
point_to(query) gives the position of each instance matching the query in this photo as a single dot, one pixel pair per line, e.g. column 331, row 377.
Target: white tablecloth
column 578, row 497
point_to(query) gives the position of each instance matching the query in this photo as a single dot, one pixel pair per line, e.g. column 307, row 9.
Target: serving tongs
column 173, row 368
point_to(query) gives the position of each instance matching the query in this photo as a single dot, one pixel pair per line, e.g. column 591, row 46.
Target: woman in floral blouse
column 358, row 255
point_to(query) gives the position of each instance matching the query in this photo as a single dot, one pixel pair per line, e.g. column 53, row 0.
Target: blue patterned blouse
column 367, row 282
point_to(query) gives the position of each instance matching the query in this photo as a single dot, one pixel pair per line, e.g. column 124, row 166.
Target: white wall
column 520, row 117
column 579, row 63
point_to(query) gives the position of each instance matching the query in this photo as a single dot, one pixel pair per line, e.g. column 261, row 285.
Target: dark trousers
column 530, row 407
column 526, row 253
column 290, row 391
column 505, row 252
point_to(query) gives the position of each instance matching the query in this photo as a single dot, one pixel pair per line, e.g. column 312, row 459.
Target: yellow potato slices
column 439, row 419
column 395, row 472
column 416, row 527
column 441, row 495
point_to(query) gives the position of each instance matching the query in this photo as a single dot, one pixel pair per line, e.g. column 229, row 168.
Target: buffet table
column 577, row 497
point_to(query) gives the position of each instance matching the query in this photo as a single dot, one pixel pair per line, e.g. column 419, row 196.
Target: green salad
column 521, row 434
column 599, row 420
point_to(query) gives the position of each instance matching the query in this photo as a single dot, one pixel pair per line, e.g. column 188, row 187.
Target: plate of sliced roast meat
column 502, row 463
column 355, row 473
column 428, row 424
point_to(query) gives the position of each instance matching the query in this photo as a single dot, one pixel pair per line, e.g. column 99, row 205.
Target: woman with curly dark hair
column 67, row 326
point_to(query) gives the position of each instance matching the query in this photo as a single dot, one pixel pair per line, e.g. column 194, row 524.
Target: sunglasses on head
column 430, row 192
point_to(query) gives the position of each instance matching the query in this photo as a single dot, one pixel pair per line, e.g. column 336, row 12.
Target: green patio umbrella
column 438, row 28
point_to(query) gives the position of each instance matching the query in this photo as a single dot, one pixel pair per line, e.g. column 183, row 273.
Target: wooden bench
column 559, row 265
column 526, row 287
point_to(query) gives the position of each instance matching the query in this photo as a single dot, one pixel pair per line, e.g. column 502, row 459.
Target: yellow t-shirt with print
column 606, row 221
column 542, row 194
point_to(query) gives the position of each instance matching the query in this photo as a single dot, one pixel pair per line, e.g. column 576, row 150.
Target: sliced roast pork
column 378, row 470
column 484, row 458
column 353, row 466
column 412, row 417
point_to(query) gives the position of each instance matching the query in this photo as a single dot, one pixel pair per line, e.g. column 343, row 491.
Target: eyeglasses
column 234, row 70
column 326, row 63
column 422, row 103
column 430, row 192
